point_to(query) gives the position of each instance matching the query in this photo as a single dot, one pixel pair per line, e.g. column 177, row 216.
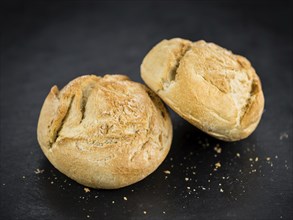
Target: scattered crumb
column 250, row 159
column 86, row 189
column 125, row 198
column 23, row 177
column 88, row 216
column 218, row 149
column 38, row 171
column 144, row 212
column 113, row 202
column 221, row 190
column 268, row 158
column 238, row 155
column 188, row 187
column 52, row 182
column 167, row 172
column 96, row 197
column 164, row 212
column 256, row 159
column 217, row 165
column 283, row 135
column 186, row 178
column 253, row 171
column 276, row 156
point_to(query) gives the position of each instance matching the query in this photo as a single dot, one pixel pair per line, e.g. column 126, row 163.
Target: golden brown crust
column 209, row 86
column 104, row 132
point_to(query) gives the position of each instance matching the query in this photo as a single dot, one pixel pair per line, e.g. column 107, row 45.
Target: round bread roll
column 104, row 132
column 209, row 86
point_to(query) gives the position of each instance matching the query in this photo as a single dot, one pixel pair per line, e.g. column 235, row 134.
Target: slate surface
column 44, row 43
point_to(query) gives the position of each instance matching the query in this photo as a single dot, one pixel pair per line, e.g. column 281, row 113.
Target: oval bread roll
column 209, row 86
column 104, row 132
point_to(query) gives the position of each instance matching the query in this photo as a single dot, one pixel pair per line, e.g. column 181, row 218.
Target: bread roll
column 104, row 132
column 209, row 86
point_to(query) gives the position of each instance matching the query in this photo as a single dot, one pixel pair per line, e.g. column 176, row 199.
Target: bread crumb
column 125, row 198
column 221, row 190
column 86, row 189
column 250, row 159
column 186, row 178
column 144, row 212
column 253, row 171
column 217, row 165
column 88, row 216
column 113, row 202
column 38, row 171
column 52, row 182
column 167, row 172
column 188, row 187
column 218, row 149
column 3, row 184
column 283, row 135
column 256, row 159
column 238, row 155
column 96, row 197
column 164, row 212
column 23, row 177
column 268, row 158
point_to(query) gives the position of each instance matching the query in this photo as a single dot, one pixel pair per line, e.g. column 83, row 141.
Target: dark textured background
column 44, row 43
